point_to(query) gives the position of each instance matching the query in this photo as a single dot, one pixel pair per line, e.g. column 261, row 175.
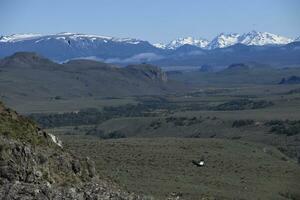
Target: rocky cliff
column 34, row 165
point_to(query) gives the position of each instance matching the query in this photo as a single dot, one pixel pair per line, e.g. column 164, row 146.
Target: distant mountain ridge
column 174, row 44
column 63, row 47
column 65, row 36
column 225, row 40
column 220, row 41
column 66, row 46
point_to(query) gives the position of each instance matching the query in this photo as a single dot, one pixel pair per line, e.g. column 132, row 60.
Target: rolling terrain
column 28, row 77
column 148, row 147
column 144, row 127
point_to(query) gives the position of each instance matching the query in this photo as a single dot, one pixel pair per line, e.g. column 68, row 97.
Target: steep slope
column 34, row 165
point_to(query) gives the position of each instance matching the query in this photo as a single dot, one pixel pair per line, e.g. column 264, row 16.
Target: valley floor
column 248, row 136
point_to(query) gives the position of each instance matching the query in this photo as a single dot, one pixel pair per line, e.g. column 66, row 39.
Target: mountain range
column 225, row 40
column 67, row 46
column 220, row 41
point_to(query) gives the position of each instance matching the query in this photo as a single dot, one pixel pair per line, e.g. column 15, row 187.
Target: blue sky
column 153, row 20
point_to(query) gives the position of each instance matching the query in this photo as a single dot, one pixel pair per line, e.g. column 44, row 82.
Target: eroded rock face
column 28, row 172
column 149, row 71
column 32, row 166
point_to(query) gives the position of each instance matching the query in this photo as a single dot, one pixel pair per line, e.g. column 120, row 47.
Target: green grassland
column 244, row 158
column 227, row 117
column 67, row 104
column 256, row 74
column 159, row 167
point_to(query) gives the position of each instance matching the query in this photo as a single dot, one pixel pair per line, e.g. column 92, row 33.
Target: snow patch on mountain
column 88, row 41
column 202, row 43
column 65, row 36
column 160, row 45
column 251, row 38
column 19, row 37
column 263, row 38
column 126, row 40
column 224, row 40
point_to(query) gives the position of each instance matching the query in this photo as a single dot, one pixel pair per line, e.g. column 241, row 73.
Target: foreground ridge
column 33, row 166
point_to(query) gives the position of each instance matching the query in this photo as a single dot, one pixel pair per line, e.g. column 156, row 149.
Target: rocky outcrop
column 33, row 166
column 147, row 71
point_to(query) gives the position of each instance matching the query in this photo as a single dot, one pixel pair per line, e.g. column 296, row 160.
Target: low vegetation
column 101, row 134
column 287, row 127
column 243, row 104
column 20, row 128
column 241, row 123
column 159, row 167
column 183, row 121
column 94, row 116
column 83, row 117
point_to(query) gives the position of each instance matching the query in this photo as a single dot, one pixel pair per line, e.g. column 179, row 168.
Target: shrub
column 101, row 134
column 242, row 104
column 114, row 135
column 183, row 121
column 57, row 98
column 240, row 123
column 287, row 127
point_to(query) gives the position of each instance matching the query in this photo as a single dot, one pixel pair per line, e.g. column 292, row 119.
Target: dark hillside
column 30, row 76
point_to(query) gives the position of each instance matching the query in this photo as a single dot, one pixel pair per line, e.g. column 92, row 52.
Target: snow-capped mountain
column 67, row 37
column 19, row 37
column 263, row 38
column 224, row 40
column 174, row 44
column 160, row 45
column 65, row 46
column 251, row 38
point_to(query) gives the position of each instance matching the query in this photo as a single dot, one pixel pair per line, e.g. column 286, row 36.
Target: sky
column 152, row 20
